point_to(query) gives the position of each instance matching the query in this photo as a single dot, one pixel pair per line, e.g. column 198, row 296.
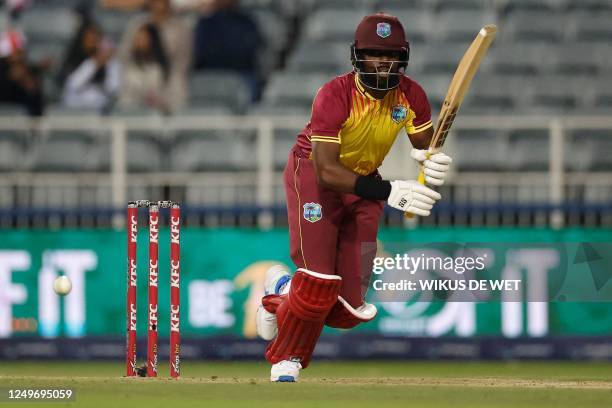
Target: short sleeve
column 421, row 108
column 329, row 112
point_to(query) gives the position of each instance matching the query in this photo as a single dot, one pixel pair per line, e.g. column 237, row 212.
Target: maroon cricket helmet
column 380, row 32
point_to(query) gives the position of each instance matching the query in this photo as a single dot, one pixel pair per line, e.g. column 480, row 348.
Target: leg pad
column 344, row 316
column 301, row 315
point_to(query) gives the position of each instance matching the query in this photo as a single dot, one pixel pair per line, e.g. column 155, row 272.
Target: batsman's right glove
column 410, row 196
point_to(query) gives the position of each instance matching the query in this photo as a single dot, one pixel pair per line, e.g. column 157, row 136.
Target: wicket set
column 131, row 335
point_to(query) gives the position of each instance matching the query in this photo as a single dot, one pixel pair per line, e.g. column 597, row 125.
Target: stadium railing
column 258, row 186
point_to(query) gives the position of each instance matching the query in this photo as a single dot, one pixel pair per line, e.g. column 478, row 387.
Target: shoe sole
column 285, row 378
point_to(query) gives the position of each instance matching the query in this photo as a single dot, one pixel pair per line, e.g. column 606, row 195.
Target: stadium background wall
column 221, row 284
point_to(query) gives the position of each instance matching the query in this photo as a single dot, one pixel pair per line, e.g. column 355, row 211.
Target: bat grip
column 421, row 180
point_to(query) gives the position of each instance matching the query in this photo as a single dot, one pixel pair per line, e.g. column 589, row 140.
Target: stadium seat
column 11, row 109
column 113, row 23
column 57, row 109
column 480, row 150
column 137, row 190
column 594, row 27
column 597, row 147
column 212, row 88
column 281, row 110
column 198, row 194
column 12, row 150
column 435, row 87
column 55, row 196
column 42, row 49
column 44, row 24
column 64, row 151
column 585, row 58
column 578, row 150
column 491, row 94
column 144, row 151
column 365, row 5
column 134, row 111
column 598, row 194
column 442, row 58
column 590, row 5
column 7, row 199
column 407, row 5
column 314, row 57
column 554, row 92
column 521, row 59
column 534, row 26
column 530, row 150
column 211, row 150
column 275, row 33
column 602, row 91
column 205, row 111
column 333, row 25
column 458, row 25
column 460, row 4
column 284, row 139
column 510, row 6
column 295, row 90
column 529, row 194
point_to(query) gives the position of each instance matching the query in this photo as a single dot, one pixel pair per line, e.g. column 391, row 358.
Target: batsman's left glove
column 435, row 166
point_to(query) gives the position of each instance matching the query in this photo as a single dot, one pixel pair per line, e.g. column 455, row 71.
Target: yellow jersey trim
column 327, row 140
column 420, row 128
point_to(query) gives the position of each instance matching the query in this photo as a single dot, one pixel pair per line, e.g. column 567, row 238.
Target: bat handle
column 421, row 180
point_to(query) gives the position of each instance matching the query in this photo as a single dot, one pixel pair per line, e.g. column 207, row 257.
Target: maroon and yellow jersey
column 365, row 127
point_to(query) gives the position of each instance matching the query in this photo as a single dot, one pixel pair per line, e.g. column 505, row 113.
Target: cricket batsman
column 335, row 194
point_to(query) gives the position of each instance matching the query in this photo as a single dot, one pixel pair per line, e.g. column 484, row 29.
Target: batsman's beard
column 381, row 80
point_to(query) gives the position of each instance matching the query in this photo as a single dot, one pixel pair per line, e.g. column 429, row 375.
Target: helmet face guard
column 385, row 77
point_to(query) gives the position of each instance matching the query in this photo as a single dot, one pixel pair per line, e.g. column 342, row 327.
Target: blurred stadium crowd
column 124, row 55
column 267, row 58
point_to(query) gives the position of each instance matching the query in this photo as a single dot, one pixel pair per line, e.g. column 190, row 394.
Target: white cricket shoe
column 276, row 282
column 285, row 371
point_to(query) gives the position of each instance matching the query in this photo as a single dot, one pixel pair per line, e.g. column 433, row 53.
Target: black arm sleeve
column 372, row 188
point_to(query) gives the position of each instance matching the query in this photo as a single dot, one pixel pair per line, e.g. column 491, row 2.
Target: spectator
column 177, row 5
column 90, row 72
column 16, row 7
column 145, row 72
column 175, row 41
column 229, row 39
column 20, row 82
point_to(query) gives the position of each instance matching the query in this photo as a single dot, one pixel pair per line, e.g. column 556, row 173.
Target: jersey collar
column 362, row 90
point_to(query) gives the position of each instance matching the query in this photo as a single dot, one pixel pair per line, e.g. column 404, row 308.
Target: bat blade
column 466, row 70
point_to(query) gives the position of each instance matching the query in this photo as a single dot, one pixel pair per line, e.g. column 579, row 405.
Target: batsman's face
column 381, row 62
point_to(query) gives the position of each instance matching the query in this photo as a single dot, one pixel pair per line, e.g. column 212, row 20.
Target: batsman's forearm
column 335, row 176
column 422, row 140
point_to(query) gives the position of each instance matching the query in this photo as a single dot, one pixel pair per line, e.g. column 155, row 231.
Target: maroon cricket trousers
column 327, row 228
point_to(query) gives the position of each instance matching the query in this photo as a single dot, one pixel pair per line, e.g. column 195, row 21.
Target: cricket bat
column 458, row 88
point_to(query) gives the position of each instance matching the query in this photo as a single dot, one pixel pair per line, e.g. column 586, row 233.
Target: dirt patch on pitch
column 393, row 381
column 465, row 382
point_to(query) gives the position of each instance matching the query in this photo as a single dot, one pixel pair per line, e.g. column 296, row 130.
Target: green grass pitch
column 324, row 384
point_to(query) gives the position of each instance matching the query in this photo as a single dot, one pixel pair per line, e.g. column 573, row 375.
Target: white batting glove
column 435, row 166
column 410, row 196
